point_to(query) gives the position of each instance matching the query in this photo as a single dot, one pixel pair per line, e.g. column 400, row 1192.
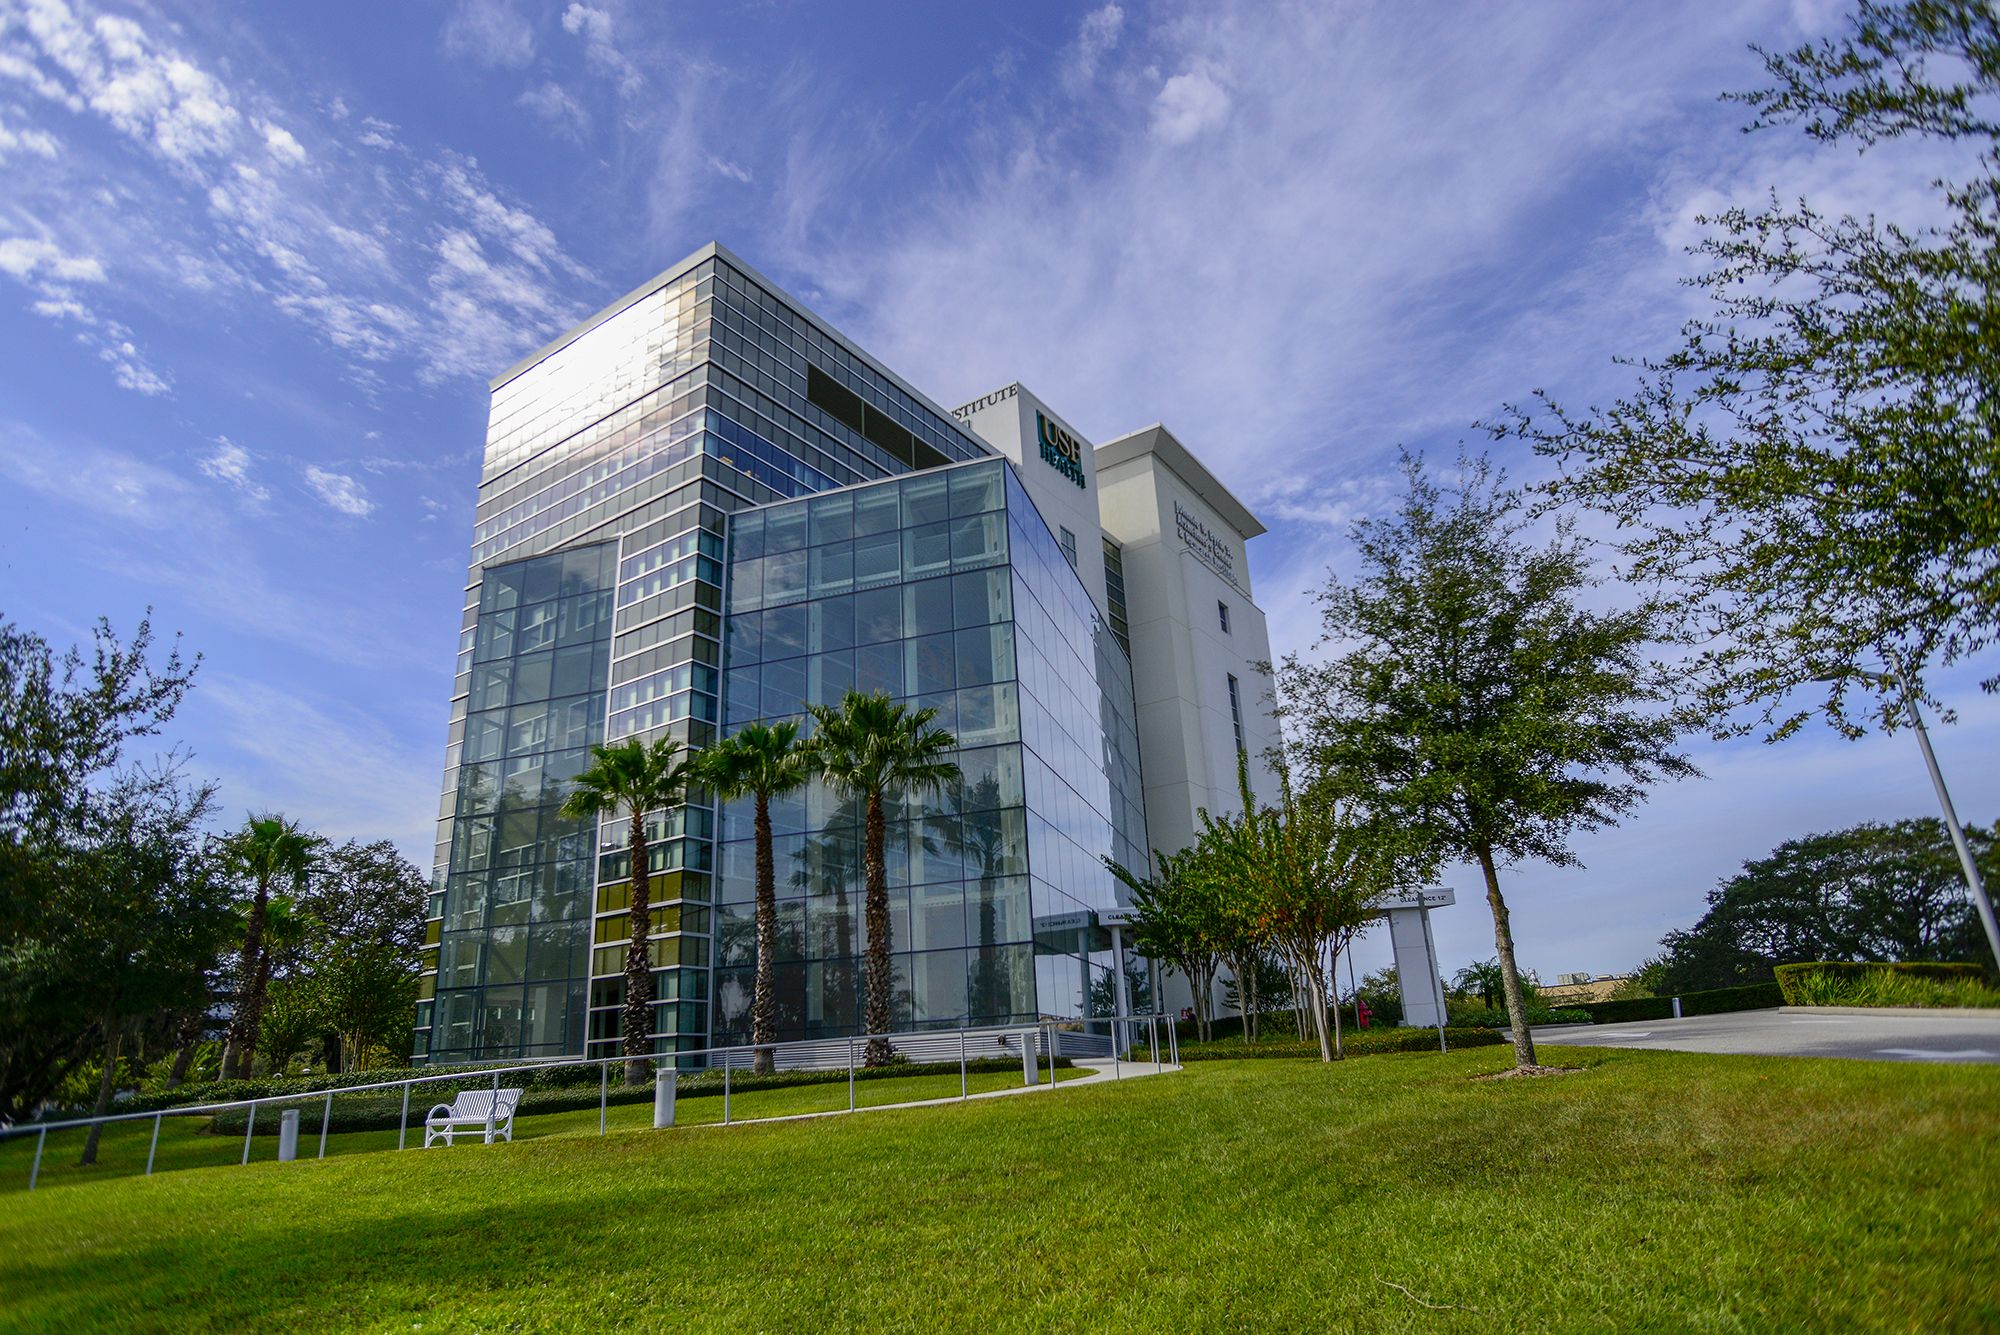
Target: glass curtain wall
column 513, row 954
column 938, row 590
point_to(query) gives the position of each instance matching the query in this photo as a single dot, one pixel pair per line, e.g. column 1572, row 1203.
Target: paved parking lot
column 1799, row 1032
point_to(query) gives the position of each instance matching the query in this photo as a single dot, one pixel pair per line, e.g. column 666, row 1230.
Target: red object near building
column 1362, row 1013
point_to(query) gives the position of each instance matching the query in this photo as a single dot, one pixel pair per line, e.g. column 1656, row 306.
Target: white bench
column 489, row 1111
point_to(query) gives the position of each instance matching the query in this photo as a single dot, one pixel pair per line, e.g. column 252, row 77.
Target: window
column 1068, row 541
column 1236, row 711
column 1222, row 614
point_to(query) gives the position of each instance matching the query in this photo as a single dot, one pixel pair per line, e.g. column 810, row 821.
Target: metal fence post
column 1117, row 1070
column 249, row 1125
column 41, row 1139
column 850, row 1074
column 725, row 1088
column 403, row 1126
column 325, row 1117
column 1052, row 1055
column 963, row 1087
column 155, row 1147
column 491, row 1104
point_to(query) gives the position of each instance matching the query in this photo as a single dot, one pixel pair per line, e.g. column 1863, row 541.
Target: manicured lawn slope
column 1657, row 1191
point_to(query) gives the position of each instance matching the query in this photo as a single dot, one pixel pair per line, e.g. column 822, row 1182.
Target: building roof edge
column 1181, row 461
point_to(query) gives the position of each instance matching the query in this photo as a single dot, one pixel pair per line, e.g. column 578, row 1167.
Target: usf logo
column 1060, row 450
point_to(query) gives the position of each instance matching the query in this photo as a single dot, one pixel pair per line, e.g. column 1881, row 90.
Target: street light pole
column 1973, row 882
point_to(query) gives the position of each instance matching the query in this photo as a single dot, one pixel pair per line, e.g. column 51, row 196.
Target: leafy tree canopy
column 1816, row 467
column 1871, row 892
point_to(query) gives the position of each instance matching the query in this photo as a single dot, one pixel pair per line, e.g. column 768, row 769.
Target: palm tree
column 634, row 778
column 762, row 761
column 271, row 851
column 871, row 748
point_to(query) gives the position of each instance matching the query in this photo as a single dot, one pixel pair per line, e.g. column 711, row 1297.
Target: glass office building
column 634, row 469
column 594, row 611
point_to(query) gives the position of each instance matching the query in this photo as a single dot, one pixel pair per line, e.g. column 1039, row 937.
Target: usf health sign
column 1060, row 450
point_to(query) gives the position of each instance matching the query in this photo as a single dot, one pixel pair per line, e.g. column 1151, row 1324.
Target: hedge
column 1354, row 1043
column 1791, row 975
column 1715, row 1001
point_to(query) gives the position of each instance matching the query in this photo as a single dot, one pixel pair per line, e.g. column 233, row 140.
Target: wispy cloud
column 427, row 262
column 553, row 103
column 230, row 463
column 40, row 143
column 593, row 27
column 339, row 492
column 489, row 33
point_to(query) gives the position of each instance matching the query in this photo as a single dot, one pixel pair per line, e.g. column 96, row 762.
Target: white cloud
column 1189, row 105
column 62, row 308
column 111, row 65
column 1095, row 37
column 489, row 33
column 734, row 171
column 31, row 258
column 40, row 143
column 339, row 492
column 130, row 371
column 552, row 102
column 281, row 143
column 352, row 252
column 600, row 49
column 229, row 462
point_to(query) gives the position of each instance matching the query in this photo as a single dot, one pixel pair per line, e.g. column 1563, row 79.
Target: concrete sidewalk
column 1806, row 1031
column 1101, row 1072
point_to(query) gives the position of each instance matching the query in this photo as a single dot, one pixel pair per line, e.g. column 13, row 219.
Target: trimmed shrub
column 1496, row 1017
column 1715, row 1001
column 1848, row 983
column 1361, row 1043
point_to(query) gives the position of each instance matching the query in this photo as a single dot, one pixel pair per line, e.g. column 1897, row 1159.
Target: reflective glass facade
column 633, row 436
column 947, row 590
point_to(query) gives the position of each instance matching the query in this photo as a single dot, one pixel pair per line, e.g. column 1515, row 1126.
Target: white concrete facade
column 1184, row 539
column 1063, row 485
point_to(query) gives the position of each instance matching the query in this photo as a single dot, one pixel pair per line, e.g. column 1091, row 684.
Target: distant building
column 1582, row 988
column 705, row 506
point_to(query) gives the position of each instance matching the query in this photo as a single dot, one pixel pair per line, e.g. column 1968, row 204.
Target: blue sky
column 256, row 264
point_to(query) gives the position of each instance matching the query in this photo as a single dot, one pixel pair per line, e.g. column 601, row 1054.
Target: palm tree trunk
column 764, row 1004
column 185, row 1038
column 877, row 977
column 639, row 960
column 986, row 996
column 1510, row 977
column 105, row 1086
column 248, row 1014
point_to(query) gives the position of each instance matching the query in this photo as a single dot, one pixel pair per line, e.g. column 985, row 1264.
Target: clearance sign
column 1060, row 450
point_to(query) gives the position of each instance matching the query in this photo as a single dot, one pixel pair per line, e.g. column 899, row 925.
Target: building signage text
column 1060, row 450
column 1207, row 547
column 982, row 404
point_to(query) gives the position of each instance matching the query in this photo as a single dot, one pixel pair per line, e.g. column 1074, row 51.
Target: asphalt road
column 1870, row 1035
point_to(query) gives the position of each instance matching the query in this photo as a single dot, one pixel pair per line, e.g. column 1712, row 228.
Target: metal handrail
column 1159, row 1025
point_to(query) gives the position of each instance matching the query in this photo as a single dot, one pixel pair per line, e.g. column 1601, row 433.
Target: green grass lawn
column 1658, row 1191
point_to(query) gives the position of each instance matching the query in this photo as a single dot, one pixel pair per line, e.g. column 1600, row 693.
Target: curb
column 1953, row 1012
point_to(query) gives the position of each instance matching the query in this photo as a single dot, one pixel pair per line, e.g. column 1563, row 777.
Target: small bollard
column 288, row 1136
column 1677, row 1008
column 1031, row 1069
column 665, row 1087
